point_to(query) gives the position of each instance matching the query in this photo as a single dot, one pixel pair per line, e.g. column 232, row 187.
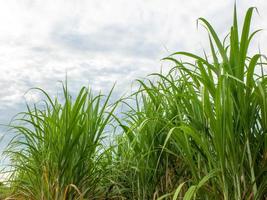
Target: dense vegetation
column 197, row 132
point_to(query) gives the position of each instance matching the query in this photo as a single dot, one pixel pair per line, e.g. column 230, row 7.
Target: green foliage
column 198, row 132
column 58, row 152
column 210, row 115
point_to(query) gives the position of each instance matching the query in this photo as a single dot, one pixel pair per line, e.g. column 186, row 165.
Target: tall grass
column 224, row 130
column 58, row 152
column 197, row 132
column 208, row 115
column 144, row 170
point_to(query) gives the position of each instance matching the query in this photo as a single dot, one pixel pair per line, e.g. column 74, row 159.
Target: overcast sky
column 100, row 42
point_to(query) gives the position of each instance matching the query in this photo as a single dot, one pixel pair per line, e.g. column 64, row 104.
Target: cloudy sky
column 100, row 42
